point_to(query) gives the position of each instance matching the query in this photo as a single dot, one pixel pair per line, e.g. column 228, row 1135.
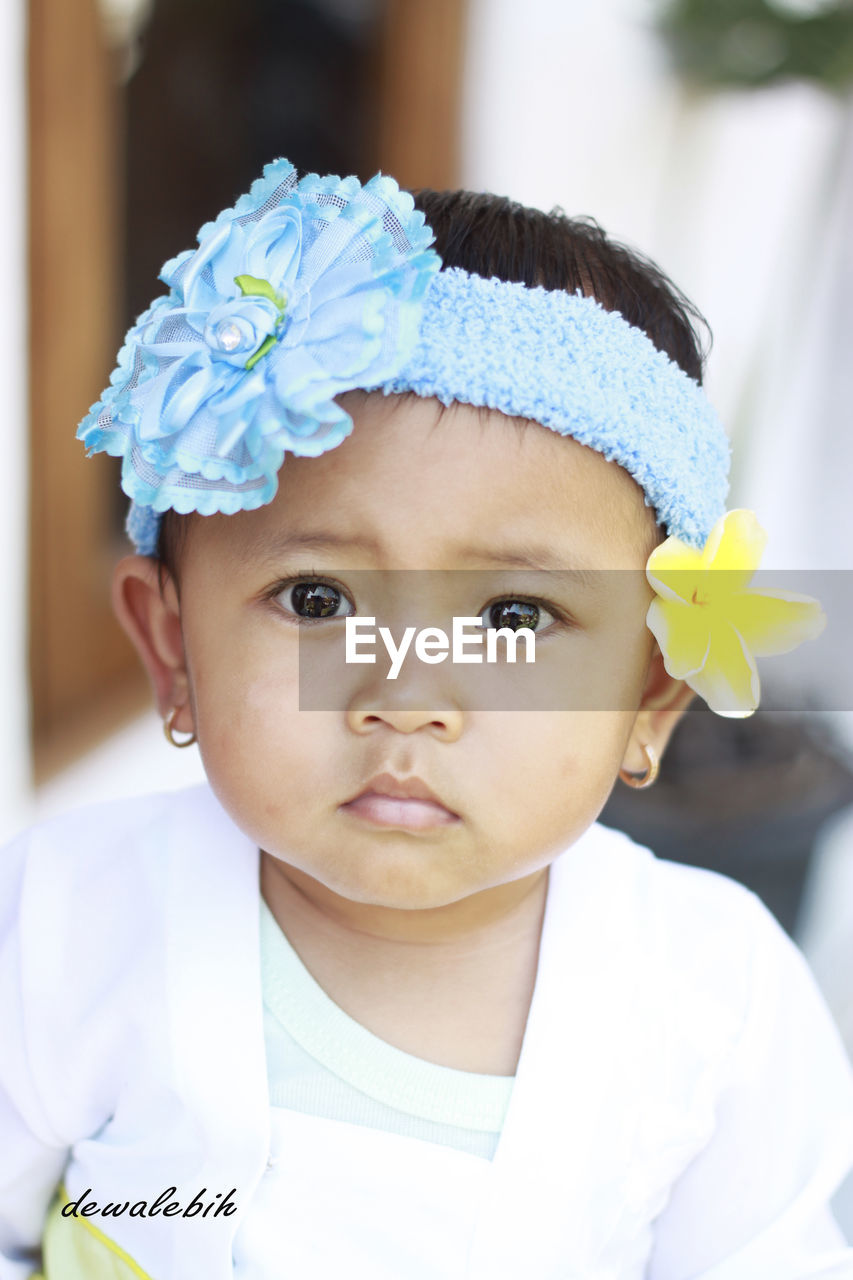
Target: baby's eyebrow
column 541, row 559
column 281, row 544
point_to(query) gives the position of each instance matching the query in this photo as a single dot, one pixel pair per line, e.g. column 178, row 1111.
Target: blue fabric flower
column 305, row 289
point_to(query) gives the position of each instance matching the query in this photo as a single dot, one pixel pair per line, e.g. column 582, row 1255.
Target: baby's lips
column 409, row 788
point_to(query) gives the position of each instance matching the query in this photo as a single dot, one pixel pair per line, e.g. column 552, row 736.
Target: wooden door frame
column 84, row 676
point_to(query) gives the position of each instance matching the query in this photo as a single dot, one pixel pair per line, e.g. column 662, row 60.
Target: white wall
column 736, row 194
column 545, row 108
column 15, row 780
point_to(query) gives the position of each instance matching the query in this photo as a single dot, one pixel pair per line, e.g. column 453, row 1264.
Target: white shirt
column 682, row 1110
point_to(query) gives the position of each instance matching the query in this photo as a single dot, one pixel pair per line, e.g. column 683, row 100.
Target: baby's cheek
column 235, row 715
column 268, row 699
column 571, row 770
column 260, row 769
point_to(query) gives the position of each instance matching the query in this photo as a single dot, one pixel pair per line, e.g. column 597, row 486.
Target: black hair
column 492, row 236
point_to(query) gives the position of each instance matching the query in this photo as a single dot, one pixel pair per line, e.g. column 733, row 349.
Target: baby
column 383, row 999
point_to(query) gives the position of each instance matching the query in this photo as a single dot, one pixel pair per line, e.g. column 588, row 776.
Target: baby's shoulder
column 702, row 928
column 702, row 898
column 108, row 850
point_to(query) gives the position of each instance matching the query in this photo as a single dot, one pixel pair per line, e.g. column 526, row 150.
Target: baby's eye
column 514, row 614
column 313, row 599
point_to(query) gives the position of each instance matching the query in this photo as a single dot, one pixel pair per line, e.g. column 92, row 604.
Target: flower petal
column 683, row 636
column 775, row 621
column 673, row 569
column 735, row 545
column 729, row 679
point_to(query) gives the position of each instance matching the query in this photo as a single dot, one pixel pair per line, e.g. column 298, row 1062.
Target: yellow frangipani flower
column 710, row 625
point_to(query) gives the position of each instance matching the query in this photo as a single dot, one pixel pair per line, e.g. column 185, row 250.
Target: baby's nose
column 367, row 713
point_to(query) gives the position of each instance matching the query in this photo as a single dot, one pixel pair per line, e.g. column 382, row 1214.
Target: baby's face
column 415, row 489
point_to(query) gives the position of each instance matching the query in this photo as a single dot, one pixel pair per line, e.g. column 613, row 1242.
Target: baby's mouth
column 408, row 803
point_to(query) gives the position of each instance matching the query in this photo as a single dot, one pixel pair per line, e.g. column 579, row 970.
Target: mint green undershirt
column 322, row 1062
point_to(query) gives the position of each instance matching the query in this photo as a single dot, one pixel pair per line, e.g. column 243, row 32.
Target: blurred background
column 714, row 135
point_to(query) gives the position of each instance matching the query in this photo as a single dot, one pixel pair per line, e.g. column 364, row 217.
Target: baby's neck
column 455, row 989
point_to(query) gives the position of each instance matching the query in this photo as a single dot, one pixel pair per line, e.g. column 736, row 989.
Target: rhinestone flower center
column 228, row 335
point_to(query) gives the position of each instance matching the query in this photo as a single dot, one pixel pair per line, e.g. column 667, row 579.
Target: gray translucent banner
column 408, row 643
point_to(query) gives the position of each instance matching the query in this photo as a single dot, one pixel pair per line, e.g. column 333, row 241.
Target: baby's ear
column 152, row 619
column 664, row 702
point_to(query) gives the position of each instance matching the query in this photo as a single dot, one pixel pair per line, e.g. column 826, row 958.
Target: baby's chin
column 392, row 876
column 381, row 882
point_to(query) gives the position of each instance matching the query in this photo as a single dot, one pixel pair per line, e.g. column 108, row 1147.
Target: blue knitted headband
column 309, row 288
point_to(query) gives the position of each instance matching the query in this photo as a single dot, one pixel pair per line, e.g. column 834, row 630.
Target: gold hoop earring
column 169, row 730
column 641, row 780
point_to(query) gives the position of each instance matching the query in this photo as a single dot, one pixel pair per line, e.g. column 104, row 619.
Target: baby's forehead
column 453, row 483
column 544, row 468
